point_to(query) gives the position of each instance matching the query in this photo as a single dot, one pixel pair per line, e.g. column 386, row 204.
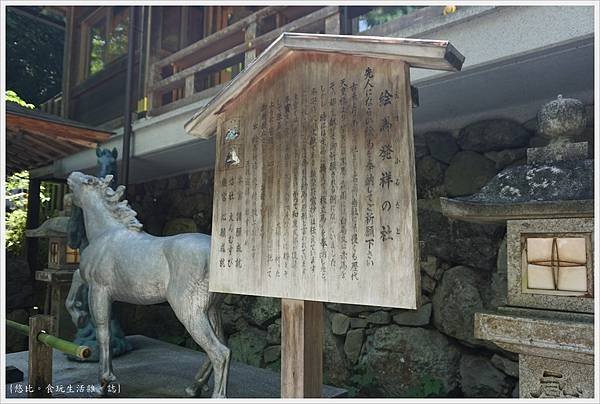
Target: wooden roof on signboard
column 35, row 138
column 429, row 54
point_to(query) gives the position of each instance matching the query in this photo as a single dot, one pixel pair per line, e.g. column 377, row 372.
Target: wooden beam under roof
column 55, row 129
column 36, row 139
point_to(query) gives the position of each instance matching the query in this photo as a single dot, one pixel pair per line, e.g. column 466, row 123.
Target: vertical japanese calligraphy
column 321, row 205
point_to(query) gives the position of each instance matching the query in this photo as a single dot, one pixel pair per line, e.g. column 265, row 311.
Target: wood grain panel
column 315, row 184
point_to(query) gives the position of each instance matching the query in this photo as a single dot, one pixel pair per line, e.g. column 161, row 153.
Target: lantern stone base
column 551, row 378
column 556, row 349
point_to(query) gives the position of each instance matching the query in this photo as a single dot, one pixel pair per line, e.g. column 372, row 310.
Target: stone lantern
column 60, row 255
column 62, row 262
column 548, row 207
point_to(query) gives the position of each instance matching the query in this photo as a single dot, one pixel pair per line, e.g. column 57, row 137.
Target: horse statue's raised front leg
column 100, row 307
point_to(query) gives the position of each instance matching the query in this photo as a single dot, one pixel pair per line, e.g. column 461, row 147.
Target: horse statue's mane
column 119, row 209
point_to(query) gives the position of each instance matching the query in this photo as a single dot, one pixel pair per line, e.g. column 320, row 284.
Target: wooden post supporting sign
column 301, row 348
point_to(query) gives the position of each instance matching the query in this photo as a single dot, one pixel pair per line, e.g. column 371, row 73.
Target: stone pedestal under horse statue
column 123, row 263
column 77, row 238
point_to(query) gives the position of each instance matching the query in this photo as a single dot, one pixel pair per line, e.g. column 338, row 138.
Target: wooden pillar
column 333, row 24
column 40, row 357
column 67, row 62
column 189, row 86
column 301, row 348
column 249, row 37
column 33, row 220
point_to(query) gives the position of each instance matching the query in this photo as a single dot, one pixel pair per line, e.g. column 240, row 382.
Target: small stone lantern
column 60, row 255
column 62, row 262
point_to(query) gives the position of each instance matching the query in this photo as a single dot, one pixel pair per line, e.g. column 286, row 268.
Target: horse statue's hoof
column 109, row 387
column 195, row 390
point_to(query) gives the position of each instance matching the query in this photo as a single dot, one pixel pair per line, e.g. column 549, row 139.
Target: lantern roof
column 421, row 53
column 559, row 189
column 53, row 227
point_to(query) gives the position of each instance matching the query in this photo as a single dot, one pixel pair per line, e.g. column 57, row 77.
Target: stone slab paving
column 156, row 369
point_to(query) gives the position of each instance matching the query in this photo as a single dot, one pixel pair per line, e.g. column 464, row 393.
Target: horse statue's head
column 107, row 163
column 82, row 185
column 89, row 190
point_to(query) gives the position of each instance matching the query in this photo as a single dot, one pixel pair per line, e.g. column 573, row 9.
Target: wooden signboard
column 315, row 175
column 314, row 183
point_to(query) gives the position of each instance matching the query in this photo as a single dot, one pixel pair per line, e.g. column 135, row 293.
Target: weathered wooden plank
column 429, row 54
column 176, row 79
column 24, row 161
column 209, row 92
column 59, row 149
column 62, row 139
column 13, row 145
column 30, row 124
column 189, row 86
column 40, row 357
column 333, row 24
column 217, row 36
column 315, row 198
column 301, row 349
column 249, row 37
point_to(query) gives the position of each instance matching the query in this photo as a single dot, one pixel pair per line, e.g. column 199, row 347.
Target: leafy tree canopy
column 34, row 53
column 11, row 96
column 381, row 15
column 16, row 187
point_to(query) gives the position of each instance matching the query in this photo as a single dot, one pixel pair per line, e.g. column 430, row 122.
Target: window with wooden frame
column 104, row 38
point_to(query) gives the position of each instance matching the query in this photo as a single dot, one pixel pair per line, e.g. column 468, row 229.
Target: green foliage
column 15, row 232
column 96, row 54
column 16, row 213
column 11, row 96
column 381, row 15
column 362, row 380
column 429, row 387
column 34, row 53
column 16, row 197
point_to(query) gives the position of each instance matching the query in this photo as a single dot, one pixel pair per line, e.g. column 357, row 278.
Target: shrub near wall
column 374, row 351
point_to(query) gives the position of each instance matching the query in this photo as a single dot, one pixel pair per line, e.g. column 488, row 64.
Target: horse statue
column 86, row 331
column 123, row 263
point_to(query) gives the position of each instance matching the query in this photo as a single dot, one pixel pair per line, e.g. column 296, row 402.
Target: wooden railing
column 53, row 105
column 239, row 42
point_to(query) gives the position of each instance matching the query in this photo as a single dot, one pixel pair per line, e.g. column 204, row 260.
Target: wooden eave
column 427, row 54
column 36, row 139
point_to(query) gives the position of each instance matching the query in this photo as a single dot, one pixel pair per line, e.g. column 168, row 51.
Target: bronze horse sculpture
column 123, row 263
